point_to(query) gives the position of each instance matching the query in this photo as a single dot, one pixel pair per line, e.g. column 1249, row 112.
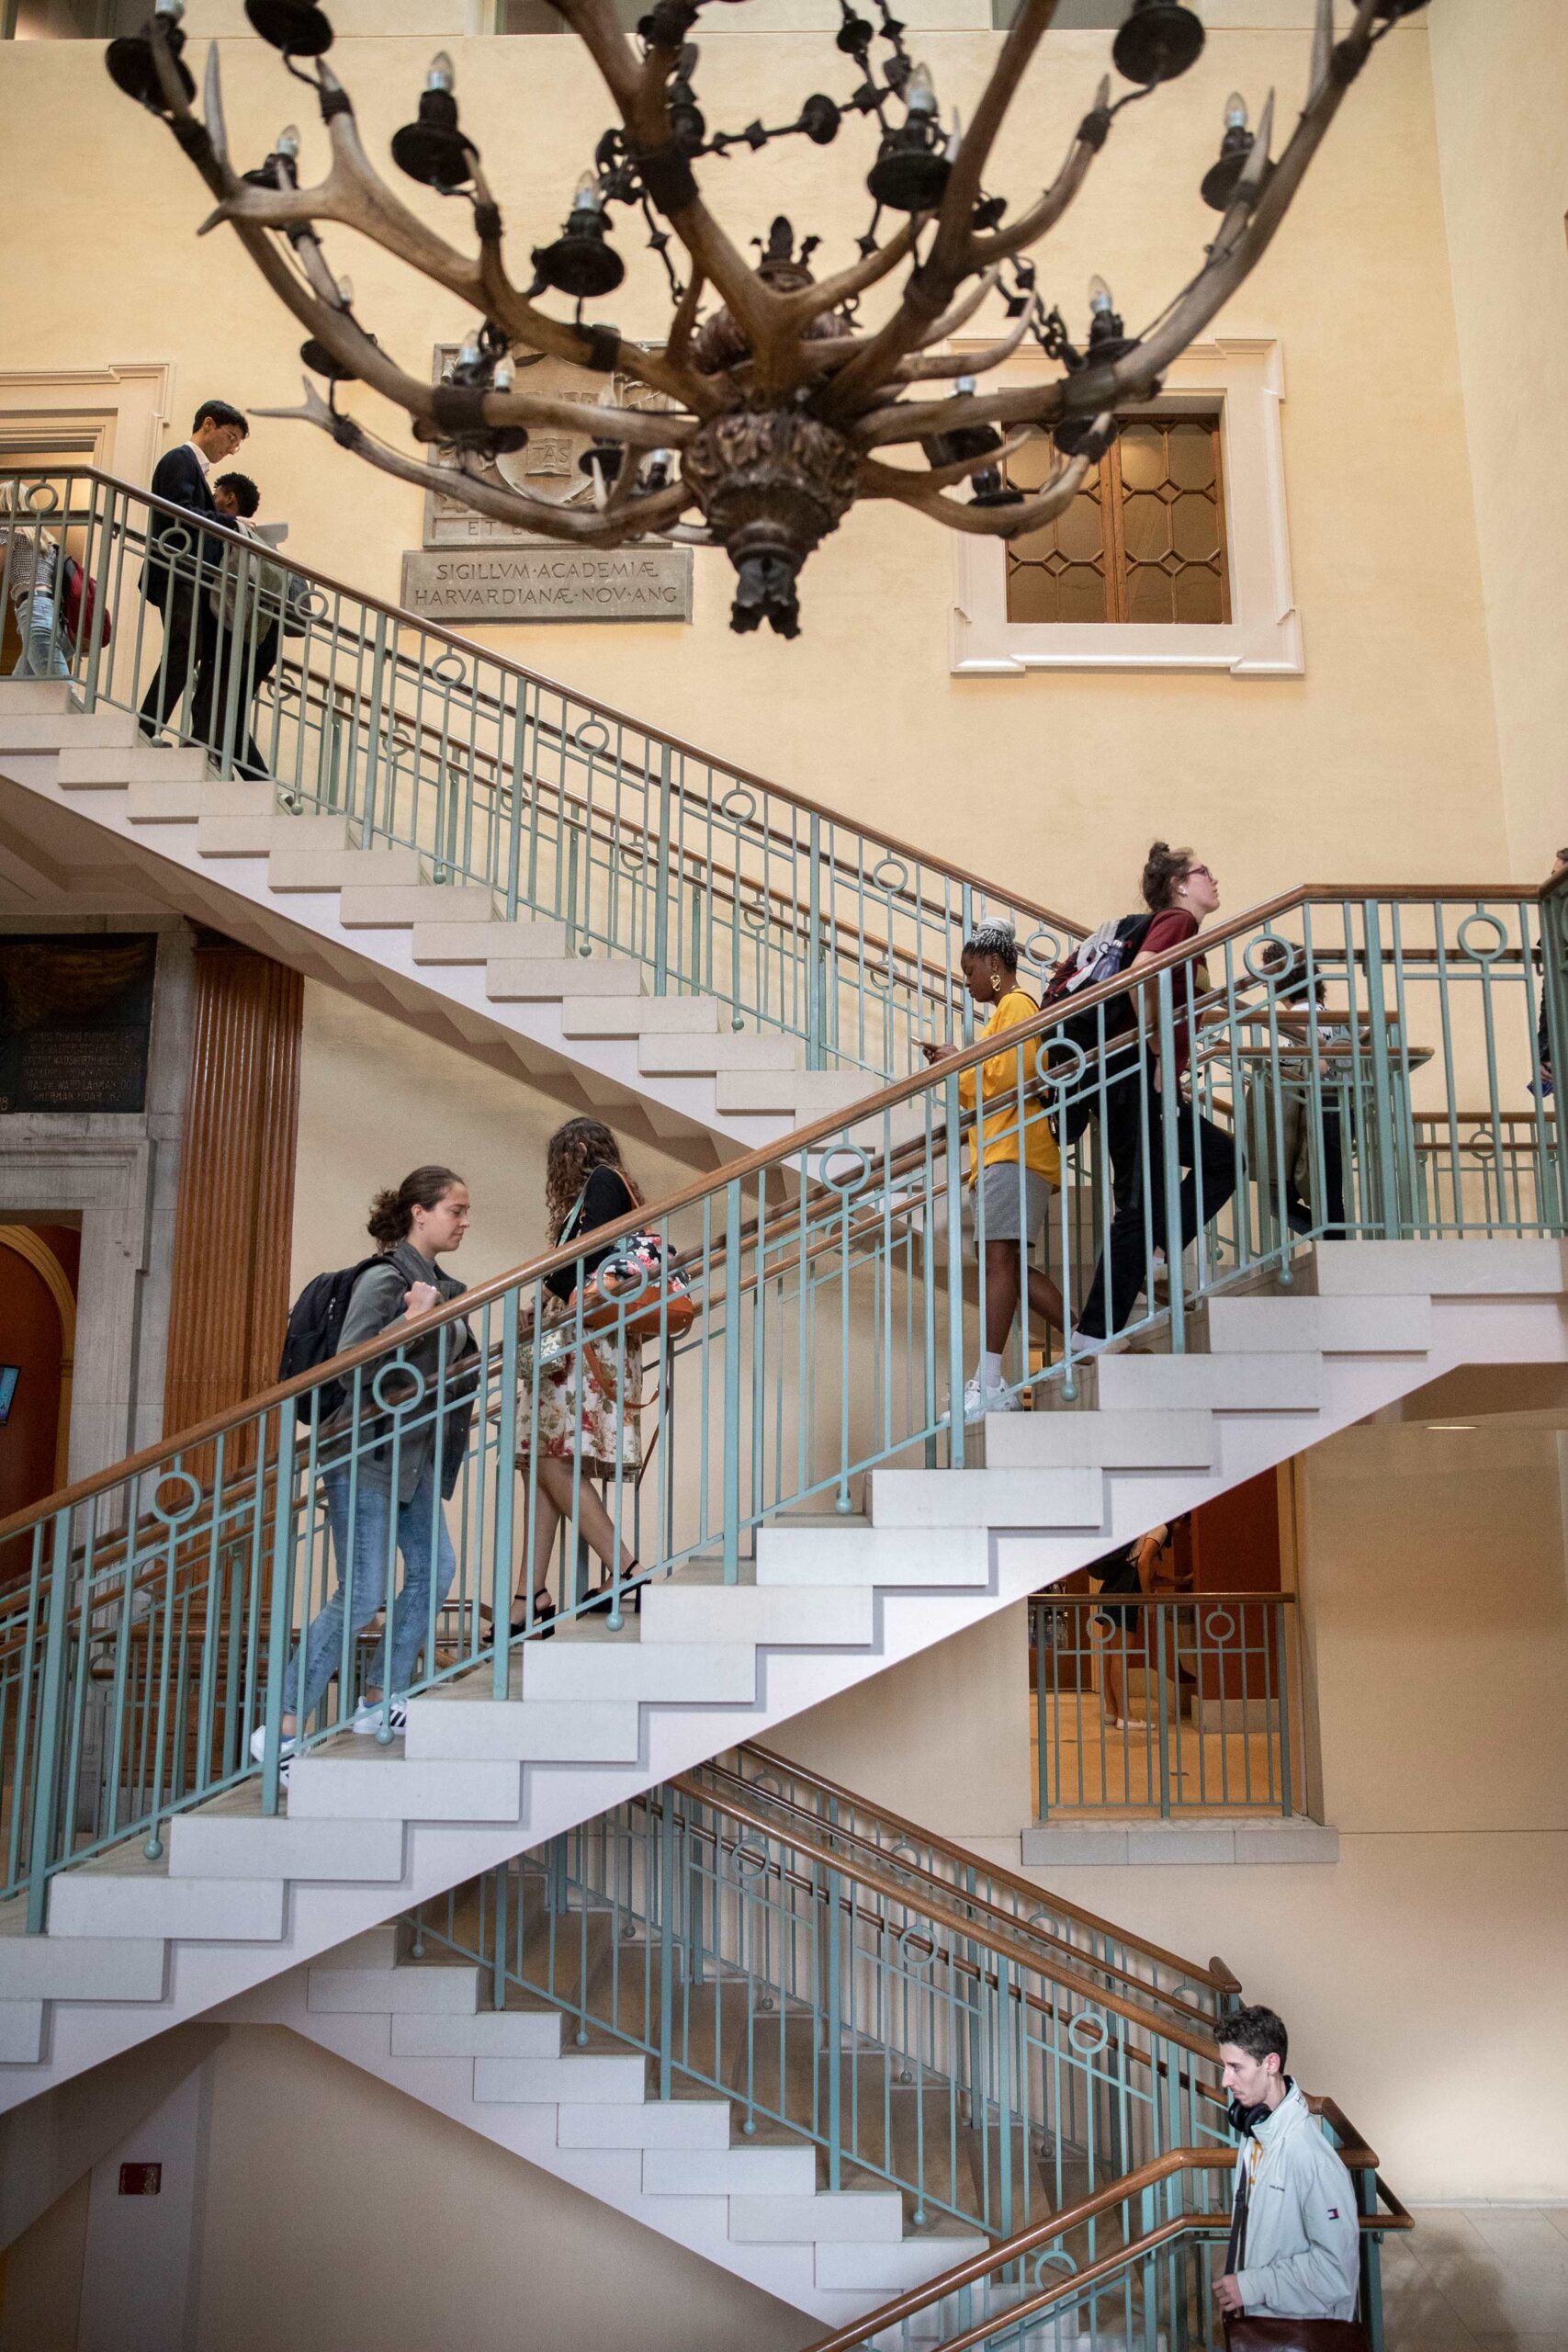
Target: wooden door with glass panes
column 1144, row 540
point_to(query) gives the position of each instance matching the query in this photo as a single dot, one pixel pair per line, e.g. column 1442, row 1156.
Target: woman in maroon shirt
column 1180, row 895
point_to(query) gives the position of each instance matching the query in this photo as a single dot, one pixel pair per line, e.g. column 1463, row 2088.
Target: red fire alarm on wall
column 141, row 2180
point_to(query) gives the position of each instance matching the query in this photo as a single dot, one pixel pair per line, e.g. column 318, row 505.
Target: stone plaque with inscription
column 75, row 1020
column 473, row 568
column 543, row 581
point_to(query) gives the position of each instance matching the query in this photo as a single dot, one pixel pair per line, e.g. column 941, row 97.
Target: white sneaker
column 286, row 1747
column 978, row 1401
column 1086, row 1344
column 368, row 1714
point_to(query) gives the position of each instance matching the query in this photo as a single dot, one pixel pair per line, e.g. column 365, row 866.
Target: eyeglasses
column 1193, row 871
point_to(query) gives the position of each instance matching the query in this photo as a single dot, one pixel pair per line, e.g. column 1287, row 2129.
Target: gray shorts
column 1000, row 1200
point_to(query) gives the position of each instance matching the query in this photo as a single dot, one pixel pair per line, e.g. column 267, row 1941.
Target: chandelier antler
column 771, row 401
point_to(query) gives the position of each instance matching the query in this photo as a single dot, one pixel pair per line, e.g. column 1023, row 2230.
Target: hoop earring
column 996, row 984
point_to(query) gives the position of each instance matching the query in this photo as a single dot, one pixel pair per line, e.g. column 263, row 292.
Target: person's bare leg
column 557, row 1478
column 1001, row 1292
column 1045, row 1300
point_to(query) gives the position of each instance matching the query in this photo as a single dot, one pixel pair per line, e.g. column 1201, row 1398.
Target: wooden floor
column 1099, row 1771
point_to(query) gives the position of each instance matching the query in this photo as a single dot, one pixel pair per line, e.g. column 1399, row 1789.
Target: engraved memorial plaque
column 76, row 1021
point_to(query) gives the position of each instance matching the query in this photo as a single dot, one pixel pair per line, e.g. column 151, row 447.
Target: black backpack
column 315, row 1322
column 1108, row 951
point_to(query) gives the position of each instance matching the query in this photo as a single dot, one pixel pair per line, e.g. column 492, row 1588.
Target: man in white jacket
column 1295, row 2237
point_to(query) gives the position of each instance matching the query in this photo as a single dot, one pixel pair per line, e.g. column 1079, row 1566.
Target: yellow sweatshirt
column 1003, row 1077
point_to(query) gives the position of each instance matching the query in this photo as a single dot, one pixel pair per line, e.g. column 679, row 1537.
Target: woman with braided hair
column 1013, row 1162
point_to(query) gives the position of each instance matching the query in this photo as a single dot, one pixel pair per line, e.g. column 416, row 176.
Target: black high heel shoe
column 544, row 1619
column 599, row 1602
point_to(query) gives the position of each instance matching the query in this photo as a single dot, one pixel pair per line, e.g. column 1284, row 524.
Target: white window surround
column 1244, row 374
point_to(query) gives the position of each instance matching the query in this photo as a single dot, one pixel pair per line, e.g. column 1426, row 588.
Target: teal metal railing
column 912, row 2038
column 842, row 1821
column 842, row 1284
column 1145, row 1704
column 636, row 844
column 1052, row 2288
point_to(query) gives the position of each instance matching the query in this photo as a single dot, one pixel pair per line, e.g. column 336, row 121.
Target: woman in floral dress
column 585, row 1422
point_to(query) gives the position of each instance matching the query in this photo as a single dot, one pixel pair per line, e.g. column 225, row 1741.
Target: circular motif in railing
column 632, row 1289
column 399, row 741
column 1042, row 947
column 1068, row 1067
column 845, row 1170
column 1269, row 949
column 748, row 1862
column 630, row 859
column 1047, row 2260
column 1481, row 955
column 40, row 498
column 904, row 1852
column 754, row 913
column 448, row 669
column 1089, row 2033
column 404, row 1371
column 284, row 689
column 738, row 804
column 594, row 727
column 769, row 1783
column 889, row 874
column 315, row 605
column 1219, row 1624
column 173, row 1511
column 1480, row 1145
column 919, row 1950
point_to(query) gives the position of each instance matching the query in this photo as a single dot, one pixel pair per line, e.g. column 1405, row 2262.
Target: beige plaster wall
column 377, row 1097
column 1379, row 762
column 942, row 1738
column 1500, row 76
column 339, row 2211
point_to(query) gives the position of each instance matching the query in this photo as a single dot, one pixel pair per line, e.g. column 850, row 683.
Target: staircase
column 237, row 1894
column 816, row 1507
column 465, row 845
column 804, row 2039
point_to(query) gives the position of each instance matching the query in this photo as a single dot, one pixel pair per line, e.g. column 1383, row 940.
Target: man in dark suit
column 175, row 551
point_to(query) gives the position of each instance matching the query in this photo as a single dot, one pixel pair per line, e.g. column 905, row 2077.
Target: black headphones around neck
column 1244, row 2120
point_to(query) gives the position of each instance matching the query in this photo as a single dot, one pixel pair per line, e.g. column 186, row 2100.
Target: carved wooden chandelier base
column 772, row 483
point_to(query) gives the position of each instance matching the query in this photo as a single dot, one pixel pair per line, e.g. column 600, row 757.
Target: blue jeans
column 362, row 1584
column 40, row 656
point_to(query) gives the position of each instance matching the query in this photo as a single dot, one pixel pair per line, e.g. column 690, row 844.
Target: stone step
column 649, row 1016
column 395, row 1992
column 702, row 1056
column 541, row 979
column 392, row 906
column 96, row 768
column 463, row 942
column 337, row 869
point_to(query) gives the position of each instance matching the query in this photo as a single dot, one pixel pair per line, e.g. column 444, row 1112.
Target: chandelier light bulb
column 955, row 137
column 920, row 91
column 469, row 352
column 287, row 143
column 589, row 195
column 1100, row 299
column 170, row 10
column 965, row 387
column 345, row 292
column 440, row 74
column 1236, row 112
column 505, row 373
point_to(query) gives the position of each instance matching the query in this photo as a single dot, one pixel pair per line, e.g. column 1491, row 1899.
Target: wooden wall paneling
column 230, row 1293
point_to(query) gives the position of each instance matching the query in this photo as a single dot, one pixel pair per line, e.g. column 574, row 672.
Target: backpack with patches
column 315, row 1323
column 1100, row 957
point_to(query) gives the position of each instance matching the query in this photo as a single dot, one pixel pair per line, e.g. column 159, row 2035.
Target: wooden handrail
column 1216, row 1975
column 1073, row 2217
column 878, row 1858
column 969, row 1930
column 875, row 1105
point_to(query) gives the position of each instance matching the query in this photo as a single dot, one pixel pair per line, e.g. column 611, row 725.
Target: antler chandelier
column 772, row 406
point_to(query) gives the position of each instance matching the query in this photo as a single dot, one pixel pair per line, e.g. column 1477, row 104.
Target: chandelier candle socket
column 777, row 409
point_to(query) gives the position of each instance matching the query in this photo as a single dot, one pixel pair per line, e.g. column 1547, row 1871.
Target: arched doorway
column 38, row 1268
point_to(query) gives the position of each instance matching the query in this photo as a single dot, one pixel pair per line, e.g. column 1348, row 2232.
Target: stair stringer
column 836, row 2275
column 232, row 855
column 1490, row 1302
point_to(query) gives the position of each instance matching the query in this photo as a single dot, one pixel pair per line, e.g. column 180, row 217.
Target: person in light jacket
column 389, row 1459
column 1295, row 2236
